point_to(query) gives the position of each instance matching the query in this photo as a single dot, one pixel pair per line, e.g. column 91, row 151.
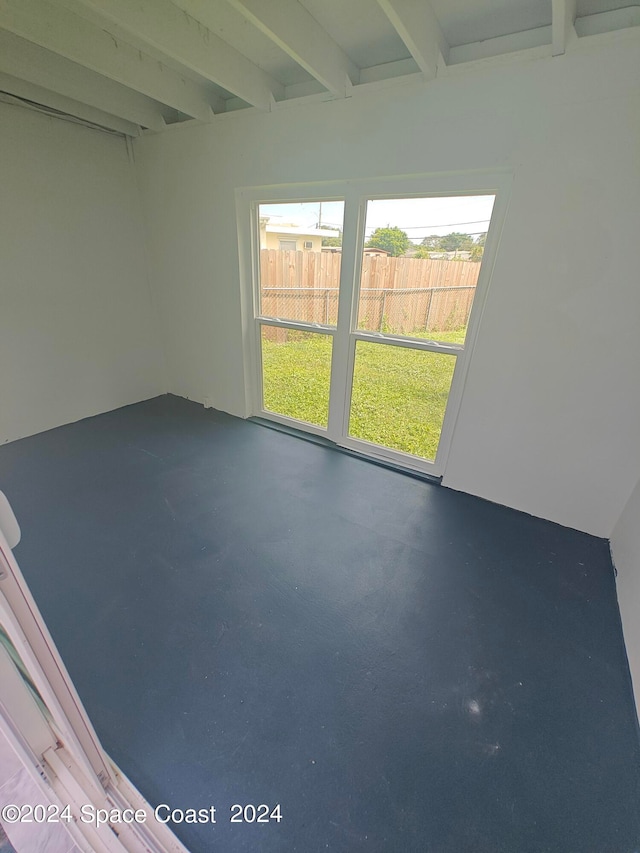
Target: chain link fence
column 404, row 296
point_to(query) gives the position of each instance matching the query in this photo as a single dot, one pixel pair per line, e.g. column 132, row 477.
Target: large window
column 362, row 332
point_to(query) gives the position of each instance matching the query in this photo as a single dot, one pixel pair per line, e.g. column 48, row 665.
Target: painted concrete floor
column 253, row 619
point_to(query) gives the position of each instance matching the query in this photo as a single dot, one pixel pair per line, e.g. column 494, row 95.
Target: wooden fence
column 401, row 295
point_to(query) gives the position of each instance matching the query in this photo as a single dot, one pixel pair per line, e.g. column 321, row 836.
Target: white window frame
column 356, row 194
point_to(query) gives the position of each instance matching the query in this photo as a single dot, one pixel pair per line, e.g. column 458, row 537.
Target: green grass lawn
column 399, row 395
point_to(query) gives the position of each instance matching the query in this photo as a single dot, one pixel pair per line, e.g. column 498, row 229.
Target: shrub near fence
column 400, row 295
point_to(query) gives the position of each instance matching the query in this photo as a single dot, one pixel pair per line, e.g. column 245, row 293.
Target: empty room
column 319, row 426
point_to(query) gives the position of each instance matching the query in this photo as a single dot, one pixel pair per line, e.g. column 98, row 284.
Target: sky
column 419, row 217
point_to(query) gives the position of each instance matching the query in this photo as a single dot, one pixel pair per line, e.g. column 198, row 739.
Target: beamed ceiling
column 141, row 65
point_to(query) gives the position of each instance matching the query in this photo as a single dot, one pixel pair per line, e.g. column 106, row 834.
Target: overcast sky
column 417, row 216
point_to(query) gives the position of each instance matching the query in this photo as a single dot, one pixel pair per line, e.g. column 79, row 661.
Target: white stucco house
column 291, row 237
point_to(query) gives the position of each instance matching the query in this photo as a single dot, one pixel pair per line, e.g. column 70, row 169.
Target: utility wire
column 445, row 224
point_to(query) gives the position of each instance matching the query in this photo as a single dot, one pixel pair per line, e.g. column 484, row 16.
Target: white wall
column 77, row 334
column 551, row 411
column 625, row 550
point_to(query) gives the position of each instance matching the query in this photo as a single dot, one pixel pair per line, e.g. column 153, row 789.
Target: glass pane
column 300, row 255
column 6, row 643
column 420, row 266
column 399, row 397
column 296, row 374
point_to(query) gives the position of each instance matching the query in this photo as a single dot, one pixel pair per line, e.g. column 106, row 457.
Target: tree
column 392, row 239
column 456, row 242
column 432, row 241
column 481, row 239
column 331, row 241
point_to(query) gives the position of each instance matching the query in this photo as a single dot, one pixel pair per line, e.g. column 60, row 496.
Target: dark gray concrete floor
column 250, row 618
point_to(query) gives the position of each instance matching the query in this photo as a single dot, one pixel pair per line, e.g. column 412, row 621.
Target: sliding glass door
column 362, row 310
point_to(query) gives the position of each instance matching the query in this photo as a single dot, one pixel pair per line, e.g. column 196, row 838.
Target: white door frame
column 356, row 193
column 72, row 768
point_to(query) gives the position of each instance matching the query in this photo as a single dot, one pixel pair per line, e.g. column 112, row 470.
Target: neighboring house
column 374, row 250
column 368, row 250
column 292, row 237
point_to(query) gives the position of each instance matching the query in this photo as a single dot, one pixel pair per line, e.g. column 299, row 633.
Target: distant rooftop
column 299, row 229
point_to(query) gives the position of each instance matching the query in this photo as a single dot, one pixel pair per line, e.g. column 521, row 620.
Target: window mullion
column 352, row 240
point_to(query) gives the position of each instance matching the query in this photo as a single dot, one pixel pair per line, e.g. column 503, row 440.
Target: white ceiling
column 131, row 65
column 361, row 29
column 464, row 22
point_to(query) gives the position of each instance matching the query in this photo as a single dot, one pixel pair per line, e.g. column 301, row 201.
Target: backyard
column 399, row 394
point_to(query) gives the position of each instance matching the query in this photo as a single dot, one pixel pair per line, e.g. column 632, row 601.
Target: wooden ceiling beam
column 563, row 16
column 40, row 67
column 289, row 25
column 418, row 27
column 179, row 37
column 60, row 31
column 23, row 90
